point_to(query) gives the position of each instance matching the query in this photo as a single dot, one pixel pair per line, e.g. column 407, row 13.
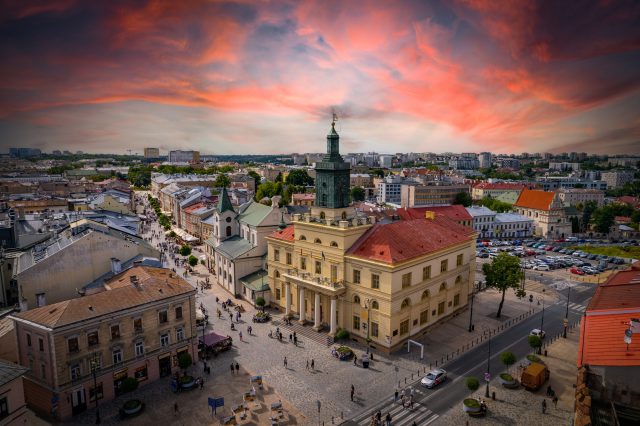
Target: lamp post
column 566, row 314
column 541, row 299
column 473, row 295
column 94, row 370
column 204, row 352
column 487, row 377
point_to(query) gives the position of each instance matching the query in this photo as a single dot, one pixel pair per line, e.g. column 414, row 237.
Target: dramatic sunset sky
column 264, row 76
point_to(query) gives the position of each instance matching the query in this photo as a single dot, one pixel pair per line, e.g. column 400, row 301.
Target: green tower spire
column 224, row 203
column 332, row 175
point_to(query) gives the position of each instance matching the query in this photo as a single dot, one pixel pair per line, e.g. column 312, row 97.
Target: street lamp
column 487, row 376
column 566, row 314
column 473, row 295
column 204, row 352
column 541, row 299
column 95, row 366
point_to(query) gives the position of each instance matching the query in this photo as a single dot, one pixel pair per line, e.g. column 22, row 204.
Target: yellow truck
column 534, row 376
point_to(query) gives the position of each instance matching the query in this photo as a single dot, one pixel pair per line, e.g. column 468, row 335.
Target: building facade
column 178, row 156
column 547, row 212
column 483, row 221
column 617, row 179
column 150, row 153
column 575, row 196
column 431, row 194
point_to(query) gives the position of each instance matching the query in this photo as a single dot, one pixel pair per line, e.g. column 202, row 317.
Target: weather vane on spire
column 335, row 118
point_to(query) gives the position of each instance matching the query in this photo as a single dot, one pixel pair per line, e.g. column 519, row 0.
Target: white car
column 542, row 267
column 537, row 332
column 434, row 377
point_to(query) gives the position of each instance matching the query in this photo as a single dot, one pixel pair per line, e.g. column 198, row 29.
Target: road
column 431, row 403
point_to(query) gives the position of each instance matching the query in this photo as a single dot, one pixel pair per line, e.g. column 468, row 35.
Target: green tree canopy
column 256, row 177
column 260, row 302
column 185, row 250
column 535, row 342
column 503, row 273
column 193, row 261
column 268, row 189
column 508, row 359
column 357, row 193
column 463, row 198
column 184, row 360
column 222, row 181
column 139, row 176
column 299, row 177
column 496, row 205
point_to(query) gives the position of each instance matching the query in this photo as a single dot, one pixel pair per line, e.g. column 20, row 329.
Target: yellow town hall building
column 337, row 268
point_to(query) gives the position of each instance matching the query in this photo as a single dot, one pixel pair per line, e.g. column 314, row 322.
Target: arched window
column 317, row 241
column 405, row 303
column 425, row 294
column 277, row 274
column 356, row 299
column 344, row 215
column 322, row 216
column 228, row 219
column 443, row 286
column 228, row 231
column 458, row 279
column 334, row 244
column 303, row 238
column 374, row 305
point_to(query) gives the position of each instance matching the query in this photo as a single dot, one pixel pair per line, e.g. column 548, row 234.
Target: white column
column 316, row 316
column 287, row 295
column 301, row 304
column 334, row 314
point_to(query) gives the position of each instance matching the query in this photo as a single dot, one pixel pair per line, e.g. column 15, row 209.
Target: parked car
column 434, row 378
column 576, row 271
column 537, row 332
column 542, row 267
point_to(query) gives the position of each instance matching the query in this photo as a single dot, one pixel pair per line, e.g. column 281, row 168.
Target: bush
column 535, row 342
column 508, row 358
column 129, row 384
column 506, row 377
column 260, row 302
column 342, row 334
column 173, row 234
column 533, row 358
column 472, row 383
column 184, row 360
column 185, row 250
column 193, row 261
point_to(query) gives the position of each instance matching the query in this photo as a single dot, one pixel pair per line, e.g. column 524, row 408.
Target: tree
column 193, row 261
column 260, row 302
column 508, row 359
column 377, row 172
column 587, row 211
column 139, row 176
column 472, row 383
column 185, row 250
column 503, row 273
column 222, row 181
column 357, row 193
column 256, row 177
column 603, row 220
column 184, row 360
column 299, row 177
column 462, row 198
column 268, row 189
column 535, row 342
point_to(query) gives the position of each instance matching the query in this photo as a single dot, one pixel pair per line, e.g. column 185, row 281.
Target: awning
column 184, row 235
column 213, row 339
column 199, row 315
column 257, row 281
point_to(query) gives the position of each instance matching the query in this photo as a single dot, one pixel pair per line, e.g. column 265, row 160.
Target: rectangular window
column 28, row 340
column 278, row 294
column 276, row 255
column 459, row 260
column 117, row 356
column 72, row 344
column 424, row 317
column 356, row 322
column 164, row 340
column 426, row 272
column 139, row 348
column 440, row 308
column 456, row 300
column 4, row 408
column 406, row 280
column 179, row 312
column 375, row 281
column 356, row 276
column 92, row 338
column 334, row 273
column 95, row 392
column 137, row 325
column 40, row 300
column 374, row 329
column 318, row 267
column 179, row 334
column 289, row 259
column 163, row 317
column 115, row 332
column 75, row 372
column 404, row 327
column 444, row 265
column 303, row 263
column 43, row 372
column 41, row 344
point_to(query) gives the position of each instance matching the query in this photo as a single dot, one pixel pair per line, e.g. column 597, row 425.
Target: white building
column 617, row 179
column 483, row 221
column 485, row 160
column 389, row 190
column 178, row 156
column 513, row 225
column 386, row 161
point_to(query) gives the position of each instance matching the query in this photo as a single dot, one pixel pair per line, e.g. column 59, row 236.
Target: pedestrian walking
column 237, row 368
column 388, row 418
column 285, row 362
column 544, row 406
column 555, row 401
column 411, row 402
column 295, row 339
column 355, row 359
column 232, row 369
column 201, row 383
column 353, row 391
column 307, row 367
column 240, row 333
column 395, row 396
column 313, row 363
column 290, row 337
column 176, row 411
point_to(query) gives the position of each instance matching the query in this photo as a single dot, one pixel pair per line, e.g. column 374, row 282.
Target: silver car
column 434, row 378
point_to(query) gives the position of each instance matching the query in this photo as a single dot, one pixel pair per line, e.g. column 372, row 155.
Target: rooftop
column 535, row 199
column 480, row 211
column 10, row 371
column 234, row 247
column 152, row 285
column 500, row 185
column 511, row 217
column 285, row 234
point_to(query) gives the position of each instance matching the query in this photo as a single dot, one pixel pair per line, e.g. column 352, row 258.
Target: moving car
column 434, row 378
column 537, row 332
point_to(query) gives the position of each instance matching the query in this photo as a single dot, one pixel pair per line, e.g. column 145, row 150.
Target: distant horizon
column 239, row 77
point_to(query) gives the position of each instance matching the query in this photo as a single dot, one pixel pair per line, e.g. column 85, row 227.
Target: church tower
column 332, row 175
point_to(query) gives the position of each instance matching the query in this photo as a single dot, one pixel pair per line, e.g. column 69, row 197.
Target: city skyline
column 245, row 77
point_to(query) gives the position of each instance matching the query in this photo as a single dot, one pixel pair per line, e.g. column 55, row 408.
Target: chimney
column 116, row 266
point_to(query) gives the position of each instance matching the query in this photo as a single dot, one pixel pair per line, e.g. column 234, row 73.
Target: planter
column 471, row 405
column 507, row 381
column 261, row 317
column 187, row 382
column 132, row 406
column 534, row 358
column 343, row 353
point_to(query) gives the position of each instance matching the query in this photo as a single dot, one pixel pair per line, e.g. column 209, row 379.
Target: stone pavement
column 522, row 407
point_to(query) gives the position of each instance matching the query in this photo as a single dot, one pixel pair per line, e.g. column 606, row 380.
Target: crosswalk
column 577, row 307
column 400, row 416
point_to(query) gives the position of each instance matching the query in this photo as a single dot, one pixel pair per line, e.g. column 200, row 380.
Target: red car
column 576, row 271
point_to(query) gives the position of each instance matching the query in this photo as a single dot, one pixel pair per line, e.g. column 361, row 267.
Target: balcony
column 321, row 284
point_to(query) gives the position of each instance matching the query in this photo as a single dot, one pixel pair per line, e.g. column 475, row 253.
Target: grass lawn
column 617, row 251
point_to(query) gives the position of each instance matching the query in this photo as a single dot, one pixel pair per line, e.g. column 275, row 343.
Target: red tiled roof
column 622, row 219
column 456, row 212
column 194, row 207
column 605, row 321
column 285, row 234
column 407, row 239
column 535, row 199
column 627, row 199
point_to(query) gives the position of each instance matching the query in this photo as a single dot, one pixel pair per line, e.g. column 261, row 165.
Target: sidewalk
column 522, row 407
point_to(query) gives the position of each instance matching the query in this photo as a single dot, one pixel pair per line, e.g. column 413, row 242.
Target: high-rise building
column 24, row 152
column 485, row 160
column 178, row 156
column 151, row 152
